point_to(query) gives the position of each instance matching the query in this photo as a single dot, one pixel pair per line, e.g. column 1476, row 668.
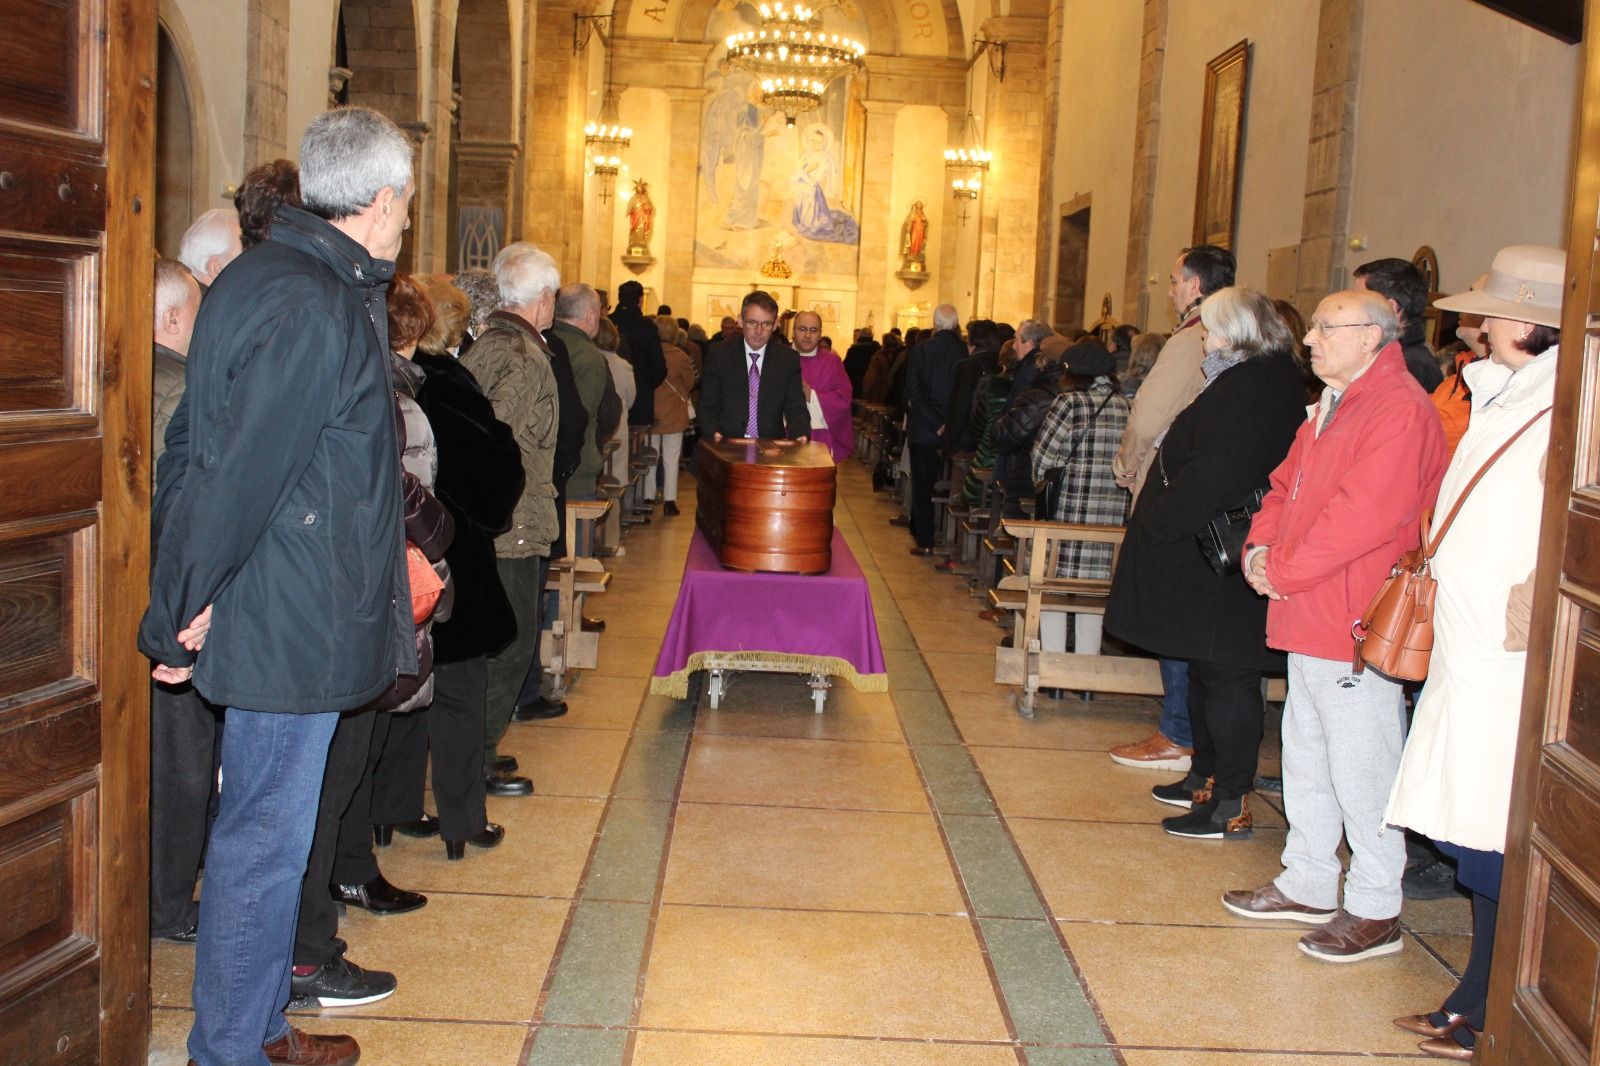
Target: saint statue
column 914, row 239
column 641, row 219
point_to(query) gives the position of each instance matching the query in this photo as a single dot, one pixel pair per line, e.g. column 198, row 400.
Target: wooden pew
column 1034, row 590
column 566, row 646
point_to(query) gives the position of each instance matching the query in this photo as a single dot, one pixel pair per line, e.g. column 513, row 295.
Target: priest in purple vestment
column 826, row 384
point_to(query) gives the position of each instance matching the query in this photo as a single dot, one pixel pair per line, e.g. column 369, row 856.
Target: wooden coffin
column 767, row 504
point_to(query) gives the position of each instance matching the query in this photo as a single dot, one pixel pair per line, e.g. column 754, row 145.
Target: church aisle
column 917, row 878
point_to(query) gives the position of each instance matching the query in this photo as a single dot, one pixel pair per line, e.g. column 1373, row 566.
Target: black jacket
column 643, row 352
column 1165, row 598
column 572, row 426
column 930, row 379
column 856, row 361
column 1419, row 357
column 961, row 431
column 724, row 405
column 289, row 518
column 479, row 481
column 1018, row 427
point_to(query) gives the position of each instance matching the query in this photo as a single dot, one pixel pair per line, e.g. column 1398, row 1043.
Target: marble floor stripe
column 1036, row 980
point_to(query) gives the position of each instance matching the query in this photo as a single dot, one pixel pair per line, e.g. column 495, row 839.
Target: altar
column 820, row 626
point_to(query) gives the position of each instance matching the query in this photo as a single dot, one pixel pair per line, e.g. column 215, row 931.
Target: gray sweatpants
column 1342, row 737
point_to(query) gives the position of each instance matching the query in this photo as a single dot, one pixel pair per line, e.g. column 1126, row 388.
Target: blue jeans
column 1175, row 703
column 272, row 766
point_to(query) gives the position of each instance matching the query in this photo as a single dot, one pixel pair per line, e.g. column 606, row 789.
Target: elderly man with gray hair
column 930, row 379
column 281, row 587
column 210, row 243
column 512, row 361
column 577, row 318
column 1345, row 504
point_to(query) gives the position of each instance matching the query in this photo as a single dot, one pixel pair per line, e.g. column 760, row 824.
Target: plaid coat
column 1090, row 493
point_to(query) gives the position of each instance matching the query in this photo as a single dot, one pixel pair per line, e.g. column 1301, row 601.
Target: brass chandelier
column 794, row 58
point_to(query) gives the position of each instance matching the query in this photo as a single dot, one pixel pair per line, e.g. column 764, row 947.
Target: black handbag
column 1222, row 541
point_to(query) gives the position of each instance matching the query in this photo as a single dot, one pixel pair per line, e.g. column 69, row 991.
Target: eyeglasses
column 1325, row 328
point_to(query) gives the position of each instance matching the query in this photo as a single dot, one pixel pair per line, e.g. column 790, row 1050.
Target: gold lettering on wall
column 921, row 12
column 656, row 12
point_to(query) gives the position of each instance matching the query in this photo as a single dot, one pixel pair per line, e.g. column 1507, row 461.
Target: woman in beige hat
column 1454, row 784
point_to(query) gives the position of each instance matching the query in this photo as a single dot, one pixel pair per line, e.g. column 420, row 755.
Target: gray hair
column 666, row 328
column 1380, row 313
column 1033, row 331
column 172, row 286
column 574, row 301
column 524, row 272
column 482, row 292
column 213, row 233
column 347, row 157
column 1246, row 320
column 945, row 316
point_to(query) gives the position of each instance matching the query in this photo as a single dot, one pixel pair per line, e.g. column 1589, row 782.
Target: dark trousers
column 348, row 756
column 183, row 751
column 1471, row 996
column 925, row 466
column 452, row 729
column 524, row 584
column 353, row 860
column 1226, row 712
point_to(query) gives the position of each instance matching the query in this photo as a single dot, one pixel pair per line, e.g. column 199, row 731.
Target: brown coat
column 1173, row 382
column 672, row 395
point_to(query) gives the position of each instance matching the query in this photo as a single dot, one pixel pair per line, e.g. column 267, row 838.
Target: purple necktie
column 755, row 386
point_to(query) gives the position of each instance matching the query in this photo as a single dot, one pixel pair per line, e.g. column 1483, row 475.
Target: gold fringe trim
column 676, row 684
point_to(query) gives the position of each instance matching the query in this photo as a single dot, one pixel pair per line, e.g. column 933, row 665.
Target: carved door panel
column 76, row 106
column 1543, row 992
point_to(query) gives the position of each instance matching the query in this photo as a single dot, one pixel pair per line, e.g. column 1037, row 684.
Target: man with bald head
column 210, row 243
column 1345, row 504
column 827, row 387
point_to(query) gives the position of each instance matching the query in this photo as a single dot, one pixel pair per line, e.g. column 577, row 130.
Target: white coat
column 1454, row 782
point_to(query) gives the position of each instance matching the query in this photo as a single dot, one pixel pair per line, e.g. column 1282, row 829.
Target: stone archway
column 179, row 152
column 484, row 148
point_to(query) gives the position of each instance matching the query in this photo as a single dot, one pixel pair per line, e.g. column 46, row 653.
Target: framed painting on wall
column 1216, row 195
column 720, row 305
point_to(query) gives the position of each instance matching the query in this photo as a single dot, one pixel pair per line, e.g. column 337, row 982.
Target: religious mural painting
column 762, row 181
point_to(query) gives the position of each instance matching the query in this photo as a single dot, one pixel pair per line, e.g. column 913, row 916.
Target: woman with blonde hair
column 452, row 312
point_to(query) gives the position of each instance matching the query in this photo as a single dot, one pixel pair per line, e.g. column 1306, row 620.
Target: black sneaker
column 1181, row 793
column 341, row 983
column 1433, row 880
column 1218, row 820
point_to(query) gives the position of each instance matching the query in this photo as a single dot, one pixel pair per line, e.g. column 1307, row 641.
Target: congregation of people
column 363, row 481
column 1337, row 440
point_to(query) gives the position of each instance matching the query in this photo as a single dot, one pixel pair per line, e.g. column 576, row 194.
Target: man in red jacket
column 1344, row 505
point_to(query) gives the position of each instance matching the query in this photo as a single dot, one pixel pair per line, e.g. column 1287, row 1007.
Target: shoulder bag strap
column 1084, row 432
column 1433, row 546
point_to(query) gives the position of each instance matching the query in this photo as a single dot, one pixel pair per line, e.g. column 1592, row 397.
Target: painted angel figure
column 817, row 175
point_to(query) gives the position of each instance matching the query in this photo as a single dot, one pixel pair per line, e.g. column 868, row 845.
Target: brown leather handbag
column 1395, row 634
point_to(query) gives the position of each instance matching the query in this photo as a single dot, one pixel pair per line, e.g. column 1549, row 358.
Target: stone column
column 1325, row 220
column 485, row 177
column 1015, row 129
column 1047, row 152
column 683, row 198
column 552, row 201
column 950, row 216
column 1146, row 139
column 266, row 92
column 880, row 229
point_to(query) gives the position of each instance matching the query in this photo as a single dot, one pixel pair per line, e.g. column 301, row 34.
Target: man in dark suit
column 725, row 409
column 930, row 381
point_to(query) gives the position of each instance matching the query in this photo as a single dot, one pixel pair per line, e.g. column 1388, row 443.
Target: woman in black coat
column 480, row 480
column 1166, row 598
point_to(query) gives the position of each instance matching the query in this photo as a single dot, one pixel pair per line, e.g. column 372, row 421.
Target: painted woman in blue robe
column 817, row 173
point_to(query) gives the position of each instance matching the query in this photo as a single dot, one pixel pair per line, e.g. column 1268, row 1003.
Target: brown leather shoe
column 1419, row 1024
column 1154, row 752
column 1267, row 902
column 1445, row 1047
column 300, row 1048
column 1350, row 939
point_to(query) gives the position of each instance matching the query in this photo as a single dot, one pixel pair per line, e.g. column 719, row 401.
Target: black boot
column 1220, row 819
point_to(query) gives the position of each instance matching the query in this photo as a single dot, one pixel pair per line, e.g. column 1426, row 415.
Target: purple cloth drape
column 820, row 616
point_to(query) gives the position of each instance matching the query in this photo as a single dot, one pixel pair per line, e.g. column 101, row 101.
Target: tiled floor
column 914, row 878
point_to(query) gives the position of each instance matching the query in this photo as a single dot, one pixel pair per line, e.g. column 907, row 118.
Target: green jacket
column 591, row 373
column 510, row 363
